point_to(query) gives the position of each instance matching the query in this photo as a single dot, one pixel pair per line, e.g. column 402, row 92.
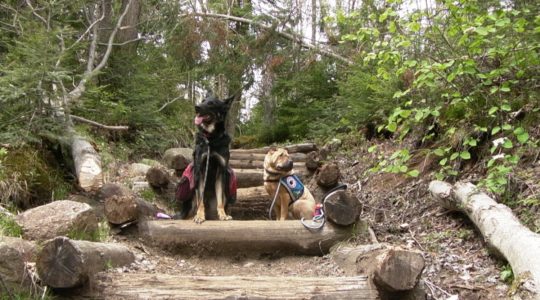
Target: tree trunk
column 500, row 228
column 342, row 208
column 229, row 237
column 392, row 269
column 65, row 263
column 87, row 164
column 161, row 286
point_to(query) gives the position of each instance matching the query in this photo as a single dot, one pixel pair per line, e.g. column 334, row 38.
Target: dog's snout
column 286, row 166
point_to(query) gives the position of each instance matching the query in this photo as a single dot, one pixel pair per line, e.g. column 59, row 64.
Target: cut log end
column 342, row 208
column 59, row 263
column 65, row 263
column 328, row 175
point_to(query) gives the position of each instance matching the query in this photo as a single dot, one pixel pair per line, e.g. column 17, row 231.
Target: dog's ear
column 229, row 101
column 272, row 150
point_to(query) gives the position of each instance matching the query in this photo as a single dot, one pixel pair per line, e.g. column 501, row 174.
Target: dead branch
column 96, row 124
column 291, row 36
column 76, row 93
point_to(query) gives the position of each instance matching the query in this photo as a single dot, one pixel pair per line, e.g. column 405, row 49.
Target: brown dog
column 279, row 166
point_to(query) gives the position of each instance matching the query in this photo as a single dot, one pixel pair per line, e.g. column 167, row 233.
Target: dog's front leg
column 199, row 195
column 284, row 200
column 220, row 197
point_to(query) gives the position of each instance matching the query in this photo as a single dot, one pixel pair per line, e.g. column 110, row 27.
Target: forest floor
column 400, row 211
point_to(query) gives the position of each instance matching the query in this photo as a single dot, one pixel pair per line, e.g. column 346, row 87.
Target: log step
column 231, row 237
column 161, row 286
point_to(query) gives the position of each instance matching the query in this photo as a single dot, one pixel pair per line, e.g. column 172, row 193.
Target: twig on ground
column 431, row 284
column 372, row 235
column 417, row 242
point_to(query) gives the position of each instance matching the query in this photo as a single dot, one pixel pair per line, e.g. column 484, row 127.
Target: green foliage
column 507, row 275
column 148, row 195
column 8, row 226
column 32, row 178
column 474, row 69
column 100, row 234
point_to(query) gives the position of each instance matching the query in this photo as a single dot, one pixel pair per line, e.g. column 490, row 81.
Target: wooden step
column 254, row 177
column 161, row 286
column 251, row 204
column 232, row 237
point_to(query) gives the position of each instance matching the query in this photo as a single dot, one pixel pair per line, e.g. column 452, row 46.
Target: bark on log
column 328, row 175
column 87, row 164
column 15, row 253
column 302, row 148
column 122, row 206
column 229, row 237
column 251, row 204
column 236, row 155
column 259, row 164
column 161, row 286
column 342, row 208
column 392, row 269
column 313, row 160
column 65, row 263
column 158, row 177
column 500, row 228
column 254, row 177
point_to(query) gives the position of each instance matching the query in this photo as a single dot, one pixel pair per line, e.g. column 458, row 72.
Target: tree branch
column 91, row 72
column 96, row 124
column 291, row 36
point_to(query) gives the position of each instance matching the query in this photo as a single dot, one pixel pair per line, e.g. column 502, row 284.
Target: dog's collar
column 279, row 176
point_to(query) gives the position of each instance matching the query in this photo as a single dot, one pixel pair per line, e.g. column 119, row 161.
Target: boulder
column 171, row 155
column 14, row 254
column 138, row 169
column 57, row 218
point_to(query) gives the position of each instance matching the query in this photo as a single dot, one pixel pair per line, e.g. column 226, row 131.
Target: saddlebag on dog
column 186, row 186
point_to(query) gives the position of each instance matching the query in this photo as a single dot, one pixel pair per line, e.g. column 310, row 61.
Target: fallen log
column 501, row 229
column 391, row 268
column 328, row 175
column 87, row 163
column 254, row 177
column 302, row 148
column 258, row 164
column 158, row 177
column 235, row 155
column 121, row 205
column 162, row 286
column 65, row 263
column 251, row 204
column 229, row 237
column 313, row 160
column 342, row 207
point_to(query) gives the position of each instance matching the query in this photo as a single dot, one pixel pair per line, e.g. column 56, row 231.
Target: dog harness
column 294, row 186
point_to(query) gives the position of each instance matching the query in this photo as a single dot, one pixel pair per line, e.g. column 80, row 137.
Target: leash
column 274, row 201
column 206, row 168
column 318, row 219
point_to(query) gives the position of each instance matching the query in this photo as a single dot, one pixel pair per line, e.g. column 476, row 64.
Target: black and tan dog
column 210, row 162
column 293, row 199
